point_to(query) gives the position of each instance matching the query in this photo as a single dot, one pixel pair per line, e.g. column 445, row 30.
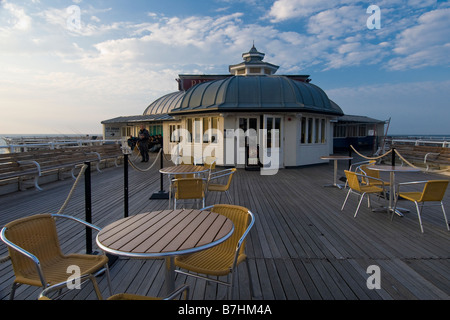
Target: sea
column 43, row 136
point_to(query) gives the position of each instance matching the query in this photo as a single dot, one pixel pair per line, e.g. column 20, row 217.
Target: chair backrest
column 369, row 172
column 434, row 190
column 243, row 221
column 189, row 188
column 224, row 173
column 210, row 162
column 36, row 234
column 352, row 180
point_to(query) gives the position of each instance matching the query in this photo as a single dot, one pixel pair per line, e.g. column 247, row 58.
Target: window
column 313, row 130
column 317, row 128
column 323, row 131
column 310, row 130
column 215, row 128
column 203, row 130
column 174, row 133
column 189, row 129
column 303, row 131
column 197, row 130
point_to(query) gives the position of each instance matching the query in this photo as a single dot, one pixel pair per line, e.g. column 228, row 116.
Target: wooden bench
column 23, row 167
column 426, row 156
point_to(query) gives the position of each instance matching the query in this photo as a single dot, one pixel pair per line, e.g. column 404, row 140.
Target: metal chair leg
column 445, row 216
column 13, row 290
column 418, row 215
column 359, row 204
column 345, row 201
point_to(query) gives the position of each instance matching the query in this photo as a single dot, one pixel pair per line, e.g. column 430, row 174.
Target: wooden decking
column 302, row 246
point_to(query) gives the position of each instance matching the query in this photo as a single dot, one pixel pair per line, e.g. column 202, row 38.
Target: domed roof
column 165, row 104
column 256, row 93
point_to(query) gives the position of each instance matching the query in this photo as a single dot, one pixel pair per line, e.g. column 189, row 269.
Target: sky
column 67, row 65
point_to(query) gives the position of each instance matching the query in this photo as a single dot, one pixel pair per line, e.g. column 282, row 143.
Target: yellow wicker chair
column 223, row 259
column 433, row 191
column 372, row 176
column 182, row 291
column 356, row 187
column 189, row 189
column 218, row 187
column 37, row 258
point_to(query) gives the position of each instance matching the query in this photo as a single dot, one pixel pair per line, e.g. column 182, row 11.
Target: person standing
column 143, row 138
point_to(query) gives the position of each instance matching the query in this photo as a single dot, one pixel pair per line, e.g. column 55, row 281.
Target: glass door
column 272, row 155
column 247, row 148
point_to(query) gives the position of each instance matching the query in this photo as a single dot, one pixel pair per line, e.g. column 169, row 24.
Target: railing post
column 88, row 206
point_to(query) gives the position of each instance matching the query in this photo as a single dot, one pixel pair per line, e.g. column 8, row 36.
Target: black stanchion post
column 350, row 155
column 161, row 195
column 125, row 187
column 88, row 206
column 393, row 157
column 161, row 176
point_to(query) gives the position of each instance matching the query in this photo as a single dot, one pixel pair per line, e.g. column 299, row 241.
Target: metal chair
column 223, row 259
column 433, row 191
column 217, row 187
column 188, row 189
column 355, row 167
column 37, row 258
column 356, row 187
column 183, row 290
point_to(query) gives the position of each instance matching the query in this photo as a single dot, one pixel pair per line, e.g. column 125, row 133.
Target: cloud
column 283, row 10
column 425, row 44
column 15, row 17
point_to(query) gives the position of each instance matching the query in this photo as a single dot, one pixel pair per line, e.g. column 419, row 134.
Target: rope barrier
column 83, row 169
column 147, row 169
column 421, row 169
column 401, row 157
column 404, row 160
column 371, row 158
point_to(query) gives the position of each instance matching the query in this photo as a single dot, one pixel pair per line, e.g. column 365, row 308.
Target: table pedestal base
column 335, row 185
column 398, row 211
column 160, row 195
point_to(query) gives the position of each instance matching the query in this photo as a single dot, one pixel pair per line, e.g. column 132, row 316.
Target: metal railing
column 51, row 145
column 419, row 142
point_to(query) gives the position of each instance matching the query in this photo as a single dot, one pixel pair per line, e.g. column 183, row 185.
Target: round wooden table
column 392, row 170
column 166, row 234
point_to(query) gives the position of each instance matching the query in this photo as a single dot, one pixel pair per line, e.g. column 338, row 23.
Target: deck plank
column 302, row 246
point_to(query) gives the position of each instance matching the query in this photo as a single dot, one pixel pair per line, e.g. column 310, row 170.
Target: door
column 247, row 144
column 272, row 142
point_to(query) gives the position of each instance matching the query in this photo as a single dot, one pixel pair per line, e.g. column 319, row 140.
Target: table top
column 393, row 168
column 331, row 157
column 183, row 169
column 165, row 233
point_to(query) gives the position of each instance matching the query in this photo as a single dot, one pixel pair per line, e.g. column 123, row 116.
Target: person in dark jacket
column 143, row 138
